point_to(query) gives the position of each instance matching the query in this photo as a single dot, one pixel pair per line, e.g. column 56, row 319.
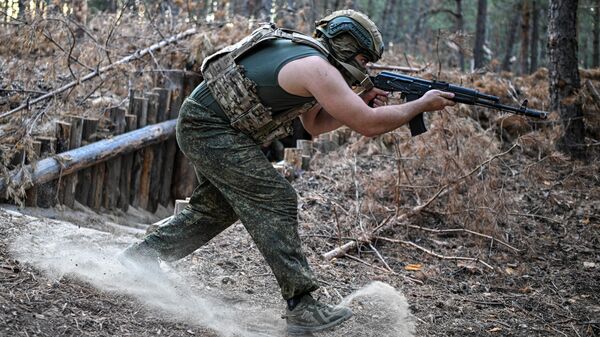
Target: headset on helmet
column 359, row 26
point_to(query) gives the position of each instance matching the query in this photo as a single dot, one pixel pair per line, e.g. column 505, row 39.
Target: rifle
column 413, row 88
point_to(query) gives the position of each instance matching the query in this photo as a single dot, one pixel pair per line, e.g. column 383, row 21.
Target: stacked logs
column 155, row 175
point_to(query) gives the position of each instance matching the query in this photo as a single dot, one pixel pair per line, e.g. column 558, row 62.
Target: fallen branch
column 138, row 54
column 593, row 92
column 432, row 253
column 455, row 230
column 376, row 66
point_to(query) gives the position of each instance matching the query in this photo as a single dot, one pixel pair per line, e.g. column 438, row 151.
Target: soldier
column 251, row 93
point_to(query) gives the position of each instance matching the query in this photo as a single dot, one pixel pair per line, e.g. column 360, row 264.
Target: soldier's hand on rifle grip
column 375, row 97
column 435, row 100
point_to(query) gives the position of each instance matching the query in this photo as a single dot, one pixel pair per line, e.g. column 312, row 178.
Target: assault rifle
column 413, row 88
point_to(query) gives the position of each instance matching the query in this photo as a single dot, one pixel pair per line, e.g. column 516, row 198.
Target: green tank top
column 262, row 66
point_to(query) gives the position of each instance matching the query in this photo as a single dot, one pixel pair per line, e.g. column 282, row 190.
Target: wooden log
column 285, row 170
column 140, row 107
column 170, row 149
column 306, row 146
column 185, row 174
column 158, row 169
column 74, row 142
column 324, row 144
column 112, row 184
column 126, row 168
column 63, row 144
column 88, row 135
column 185, row 180
column 97, row 185
column 174, row 80
column 74, row 160
column 32, row 156
column 46, row 195
column 293, row 157
column 376, row 66
column 148, row 157
column 307, row 150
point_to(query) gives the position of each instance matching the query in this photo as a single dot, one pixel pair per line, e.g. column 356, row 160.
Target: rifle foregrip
column 417, row 125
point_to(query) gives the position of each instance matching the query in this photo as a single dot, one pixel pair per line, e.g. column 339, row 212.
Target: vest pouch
column 253, row 119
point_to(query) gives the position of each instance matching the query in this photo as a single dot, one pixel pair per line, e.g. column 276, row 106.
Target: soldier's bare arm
column 314, row 76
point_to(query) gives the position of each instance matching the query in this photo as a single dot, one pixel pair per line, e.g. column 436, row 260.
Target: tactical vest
column 236, row 94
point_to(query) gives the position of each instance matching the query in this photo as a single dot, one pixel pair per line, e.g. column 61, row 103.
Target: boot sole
column 295, row 330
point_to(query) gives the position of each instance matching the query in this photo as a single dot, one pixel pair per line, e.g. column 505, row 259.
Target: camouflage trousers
column 236, row 181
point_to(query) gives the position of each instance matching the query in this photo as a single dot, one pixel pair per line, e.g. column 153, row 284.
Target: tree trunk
column 478, row 52
column 511, row 37
column 535, row 36
column 564, row 75
column 596, row 51
column 80, row 10
column 398, row 28
column 524, row 57
column 460, row 24
column 388, row 20
column 263, row 12
column 22, row 9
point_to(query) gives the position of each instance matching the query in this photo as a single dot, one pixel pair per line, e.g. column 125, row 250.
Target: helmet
column 368, row 38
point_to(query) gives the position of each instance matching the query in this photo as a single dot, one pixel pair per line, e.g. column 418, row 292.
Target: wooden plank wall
column 145, row 179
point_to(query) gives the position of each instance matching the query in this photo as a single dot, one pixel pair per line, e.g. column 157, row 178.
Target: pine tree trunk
column 398, row 29
column 460, row 24
column 263, row 13
column 596, row 46
column 388, row 20
column 524, row 57
column 535, row 36
column 511, row 37
column 564, row 75
column 22, row 9
column 478, row 52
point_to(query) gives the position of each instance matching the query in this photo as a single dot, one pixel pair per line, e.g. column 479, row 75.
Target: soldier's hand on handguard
column 435, row 100
column 375, row 97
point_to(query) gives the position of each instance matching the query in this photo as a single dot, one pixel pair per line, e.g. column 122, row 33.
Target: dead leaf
column 496, row 329
column 413, row 267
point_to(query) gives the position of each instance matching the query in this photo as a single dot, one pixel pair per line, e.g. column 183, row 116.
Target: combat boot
column 310, row 315
column 140, row 258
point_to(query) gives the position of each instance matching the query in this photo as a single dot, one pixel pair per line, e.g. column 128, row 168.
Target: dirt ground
column 549, row 287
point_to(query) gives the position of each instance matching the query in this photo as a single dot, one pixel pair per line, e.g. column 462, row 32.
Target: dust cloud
column 62, row 249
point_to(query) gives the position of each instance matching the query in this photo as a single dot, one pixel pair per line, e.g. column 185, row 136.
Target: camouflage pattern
column 236, row 94
column 236, row 181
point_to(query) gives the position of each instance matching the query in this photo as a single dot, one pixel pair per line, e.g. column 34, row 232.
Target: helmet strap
column 364, row 81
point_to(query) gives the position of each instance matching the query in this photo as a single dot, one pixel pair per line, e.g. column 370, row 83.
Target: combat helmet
column 347, row 33
column 364, row 31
